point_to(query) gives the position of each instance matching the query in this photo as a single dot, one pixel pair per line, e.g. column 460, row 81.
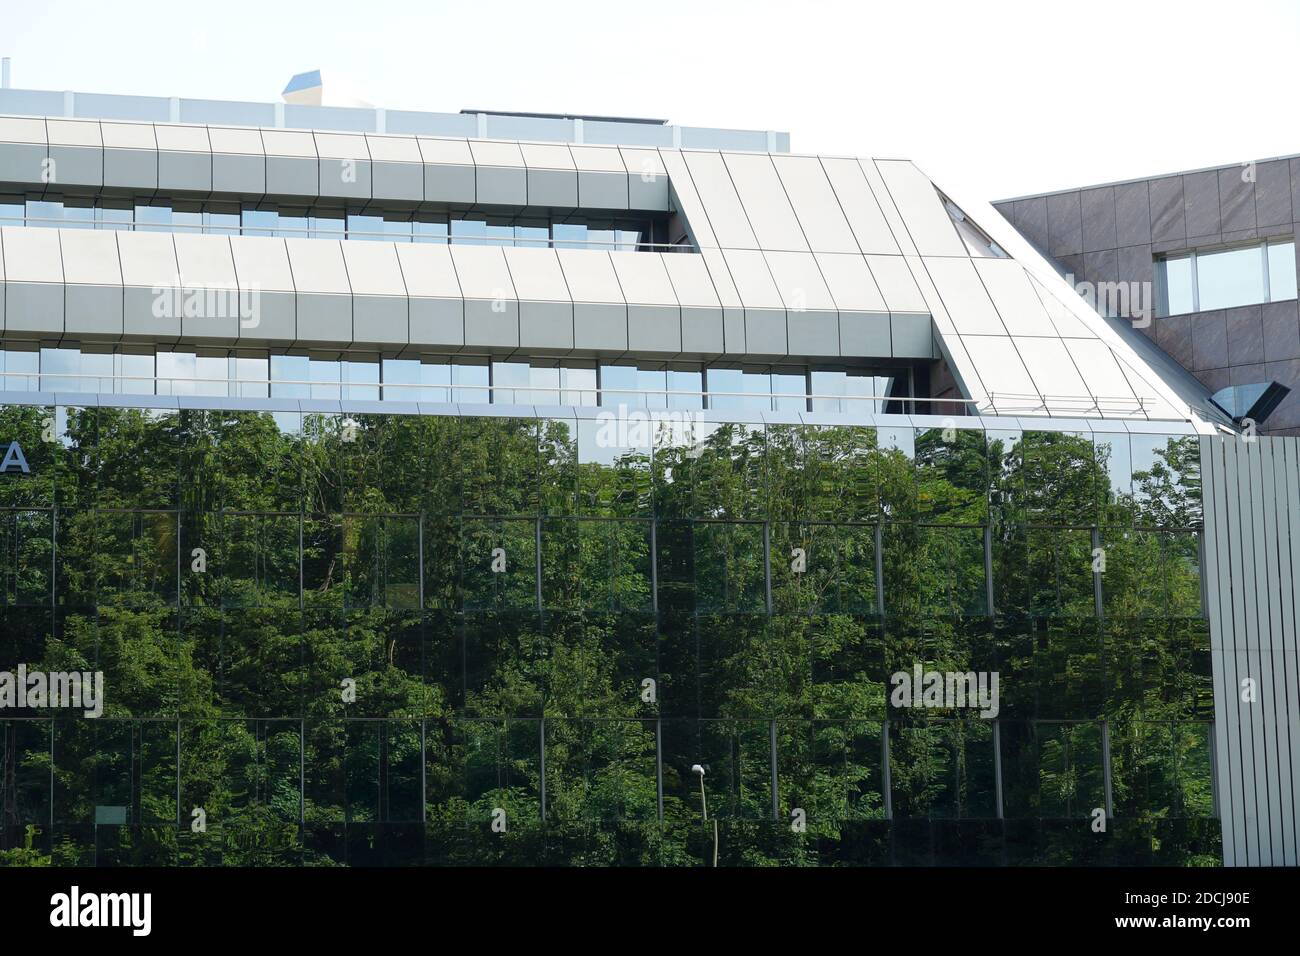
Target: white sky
column 998, row 99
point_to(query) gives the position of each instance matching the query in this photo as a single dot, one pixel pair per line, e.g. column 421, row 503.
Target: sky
column 1002, row 98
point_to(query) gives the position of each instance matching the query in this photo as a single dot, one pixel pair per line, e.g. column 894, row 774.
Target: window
column 976, row 239
column 360, row 376
column 1225, row 278
column 304, row 222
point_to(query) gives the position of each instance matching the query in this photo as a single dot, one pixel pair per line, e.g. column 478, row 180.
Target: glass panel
column 833, row 384
column 569, row 235
column 56, row 362
column 260, row 222
column 289, row 375
column 425, row 231
column 21, row 370
column 117, row 217
column 532, row 236
column 789, row 392
column 469, row 232
column 326, row 377
column 221, row 221
column 97, row 364
column 505, row 377
column 691, row 384
column 153, row 218
column 361, row 381
column 12, row 211
column 579, row 386
column 251, row 377
column 48, row 214
column 187, row 220
column 78, row 216
column 1281, row 271
column 1228, row 278
column 293, row 224
column 1176, row 283
column 328, row 224
column 736, row 389
column 472, row 381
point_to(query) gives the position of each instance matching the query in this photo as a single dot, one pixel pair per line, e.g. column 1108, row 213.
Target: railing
column 1031, row 403
column 1000, row 403
column 233, row 385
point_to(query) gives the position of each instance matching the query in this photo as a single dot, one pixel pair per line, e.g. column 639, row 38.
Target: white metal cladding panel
column 597, row 159
column 148, row 259
column 32, row 255
column 643, row 279
column 373, row 268
column 799, row 281
column 589, row 275
column 128, row 135
column 436, row 309
column 763, row 197
column 1068, row 325
column 279, row 142
column 647, row 181
column 341, row 146
column 93, row 296
column 318, row 266
column 394, row 149
column 205, row 261
column 717, row 195
column 427, row 270
column 89, row 257
column 1096, row 362
column 448, row 152
column 815, row 205
column 262, row 262
column 753, row 279
column 690, row 279
column 964, row 296
column 1155, row 402
column 850, row 283
column 870, row 229
column 1054, row 375
column 547, row 156
column 1009, row 387
column 1252, row 545
column 888, row 208
column 1014, row 297
column 182, row 139
column 236, row 141
column 897, row 284
column 74, row 132
column 489, row 153
column 927, row 221
column 536, row 274
column 482, row 272
column 16, row 129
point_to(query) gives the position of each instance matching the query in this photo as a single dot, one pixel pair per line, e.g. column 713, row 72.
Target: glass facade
column 532, row 228
column 437, row 640
column 247, row 373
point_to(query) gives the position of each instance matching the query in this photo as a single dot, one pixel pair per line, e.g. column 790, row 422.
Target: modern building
column 500, row 488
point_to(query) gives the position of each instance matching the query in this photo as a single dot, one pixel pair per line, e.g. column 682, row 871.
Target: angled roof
column 1018, row 338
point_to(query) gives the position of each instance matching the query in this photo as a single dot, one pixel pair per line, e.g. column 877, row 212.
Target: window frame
column 1192, row 256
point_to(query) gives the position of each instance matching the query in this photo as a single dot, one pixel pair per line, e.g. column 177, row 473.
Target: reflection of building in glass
column 368, row 577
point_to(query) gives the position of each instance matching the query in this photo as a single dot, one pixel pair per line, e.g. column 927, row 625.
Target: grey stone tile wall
column 1114, row 233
